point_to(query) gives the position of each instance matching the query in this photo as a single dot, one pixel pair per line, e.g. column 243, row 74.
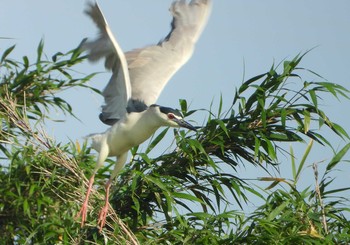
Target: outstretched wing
column 140, row 76
column 118, row 91
column 150, row 68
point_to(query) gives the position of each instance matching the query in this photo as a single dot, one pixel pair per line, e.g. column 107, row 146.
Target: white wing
column 118, row 91
column 150, row 68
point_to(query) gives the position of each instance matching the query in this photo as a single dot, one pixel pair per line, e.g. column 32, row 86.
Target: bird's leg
column 101, row 158
column 103, row 213
column 83, row 210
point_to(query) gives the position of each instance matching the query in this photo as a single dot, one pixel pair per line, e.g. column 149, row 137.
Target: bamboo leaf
column 303, row 161
column 155, row 142
column 246, row 84
column 183, row 104
column 313, row 97
column 6, row 53
column 277, row 211
column 325, row 193
column 187, row 196
column 339, row 130
column 39, row 55
column 292, row 157
column 337, row 158
column 307, row 121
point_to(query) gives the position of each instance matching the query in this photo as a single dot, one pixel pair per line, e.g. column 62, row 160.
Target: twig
column 317, row 189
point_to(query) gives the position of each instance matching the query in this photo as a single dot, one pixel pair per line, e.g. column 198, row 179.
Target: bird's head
column 171, row 117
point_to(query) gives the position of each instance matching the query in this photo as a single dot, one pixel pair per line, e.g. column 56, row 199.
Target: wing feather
column 150, row 68
column 118, row 90
column 140, row 75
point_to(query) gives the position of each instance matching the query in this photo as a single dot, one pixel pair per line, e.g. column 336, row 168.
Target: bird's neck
column 145, row 120
column 139, row 126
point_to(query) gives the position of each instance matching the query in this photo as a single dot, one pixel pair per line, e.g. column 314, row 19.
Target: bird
column 138, row 77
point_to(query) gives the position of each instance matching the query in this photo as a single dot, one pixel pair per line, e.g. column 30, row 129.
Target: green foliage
column 309, row 216
column 31, row 200
column 40, row 180
column 190, row 195
column 34, row 85
column 196, row 174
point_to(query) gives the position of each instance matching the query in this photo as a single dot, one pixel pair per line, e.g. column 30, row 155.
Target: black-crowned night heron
column 138, row 78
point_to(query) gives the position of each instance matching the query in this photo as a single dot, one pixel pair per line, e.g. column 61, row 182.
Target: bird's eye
column 171, row 116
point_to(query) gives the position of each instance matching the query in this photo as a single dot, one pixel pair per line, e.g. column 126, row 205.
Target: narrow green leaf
column 307, row 121
column 269, row 148
column 7, row 52
column 25, row 62
column 155, row 142
column 318, row 138
column 272, row 185
column 246, row 84
column 220, row 105
column 256, row 147
column 277, row 211
column 336, row 159
column 303, row 160
column 283, row 114
column 156, row 181
column 56, row 56
column 201, row 215
column 313, row 97
column 223, row 127
column 255, row 192
column 196, row 145
column 187, row 197
column 145, row 158
column 183, row 104
column 26, row 208
column 335, row 191
column 39, row 55
column 339, row 130
column 31, row 190
column 292, row 157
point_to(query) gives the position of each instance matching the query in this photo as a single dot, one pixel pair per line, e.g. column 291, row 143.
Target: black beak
column 182, row 123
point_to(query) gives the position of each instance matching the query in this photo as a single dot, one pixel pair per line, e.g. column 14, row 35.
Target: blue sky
column 242, row 39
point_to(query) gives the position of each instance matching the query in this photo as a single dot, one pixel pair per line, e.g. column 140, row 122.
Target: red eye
column 171, row 116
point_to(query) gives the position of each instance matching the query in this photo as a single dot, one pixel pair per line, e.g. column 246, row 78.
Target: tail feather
column 96, row 141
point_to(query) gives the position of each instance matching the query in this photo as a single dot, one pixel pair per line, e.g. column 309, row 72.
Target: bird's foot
column 83, row 213
column 102, row 217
